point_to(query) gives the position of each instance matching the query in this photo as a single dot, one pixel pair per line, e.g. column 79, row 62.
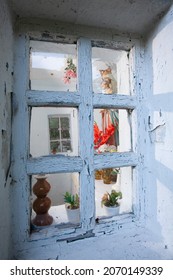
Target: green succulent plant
column 111, row 199
column 72, row 200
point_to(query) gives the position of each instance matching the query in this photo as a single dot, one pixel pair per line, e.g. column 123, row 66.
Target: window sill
column 61, row 227
column 69, row 231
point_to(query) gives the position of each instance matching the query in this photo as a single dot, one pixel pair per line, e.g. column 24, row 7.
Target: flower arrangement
column 101, row 138
column 70, row 71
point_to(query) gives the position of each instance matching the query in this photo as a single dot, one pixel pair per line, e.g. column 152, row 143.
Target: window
column 53, row 130
column 59, row 132
column 100, row 91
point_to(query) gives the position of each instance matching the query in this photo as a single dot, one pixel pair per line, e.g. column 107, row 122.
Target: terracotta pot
column 107, row 175
column 98, row 174
column 114, row 177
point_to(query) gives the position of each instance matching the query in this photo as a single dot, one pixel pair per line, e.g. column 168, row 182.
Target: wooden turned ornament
column 42, row 203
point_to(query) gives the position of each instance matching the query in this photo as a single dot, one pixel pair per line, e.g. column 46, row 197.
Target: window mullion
column 86, row 133
column 20, row 141
column 118, row 101
column 119, row 159
column 54, row 164
column 49, row 98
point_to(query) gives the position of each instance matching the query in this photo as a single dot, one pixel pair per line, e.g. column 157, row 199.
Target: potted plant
column 110, row 201
column 114, row 175
column 72, row 204
column 106, row 175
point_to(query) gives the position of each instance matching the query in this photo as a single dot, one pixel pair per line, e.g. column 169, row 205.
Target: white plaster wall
column 6, row 68
column 159, row 64
column 123, row 74
column 125, row 127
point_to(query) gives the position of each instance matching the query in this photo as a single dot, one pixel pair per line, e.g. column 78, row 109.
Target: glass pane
column 65, row 133
column 64, row 122
column 53, row 66
column 113, row 191
column 66, row 146
column 54, row 133
column 53, row 130
column 55, row 147
column 54, row 123
column 110, row 70
column 55, row 200
column 112, row 130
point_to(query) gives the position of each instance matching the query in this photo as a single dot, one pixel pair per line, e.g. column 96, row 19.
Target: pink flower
column 66, row 80
column 70, row 71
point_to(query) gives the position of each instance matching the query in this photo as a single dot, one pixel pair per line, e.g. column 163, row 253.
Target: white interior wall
column 6, row 76
column 125, row 126
column 123, row 83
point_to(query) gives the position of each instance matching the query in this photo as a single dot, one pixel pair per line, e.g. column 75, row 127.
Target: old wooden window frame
column 24, row 166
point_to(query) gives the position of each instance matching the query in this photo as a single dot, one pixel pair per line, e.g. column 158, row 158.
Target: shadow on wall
column 159, row 192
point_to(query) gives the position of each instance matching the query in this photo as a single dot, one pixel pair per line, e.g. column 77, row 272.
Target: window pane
column 110, row 70
column 55, row 147
column 65, row 133
column 66, row 146
column 53, row 130
column 54, row 133
column 64, row 122
column 112, row 130
column 53, row 66
column 113, row 179
column 54, row 123
column 47, row 196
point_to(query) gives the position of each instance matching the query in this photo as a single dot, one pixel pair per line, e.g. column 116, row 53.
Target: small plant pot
column 73, row 215
column 107, row 175
column 98, row 174
column 111, row 211
column 107, row 180
column 113, row 177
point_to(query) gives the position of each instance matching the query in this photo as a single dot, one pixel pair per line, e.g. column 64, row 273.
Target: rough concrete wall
column 159, row 57
column 6, row 74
